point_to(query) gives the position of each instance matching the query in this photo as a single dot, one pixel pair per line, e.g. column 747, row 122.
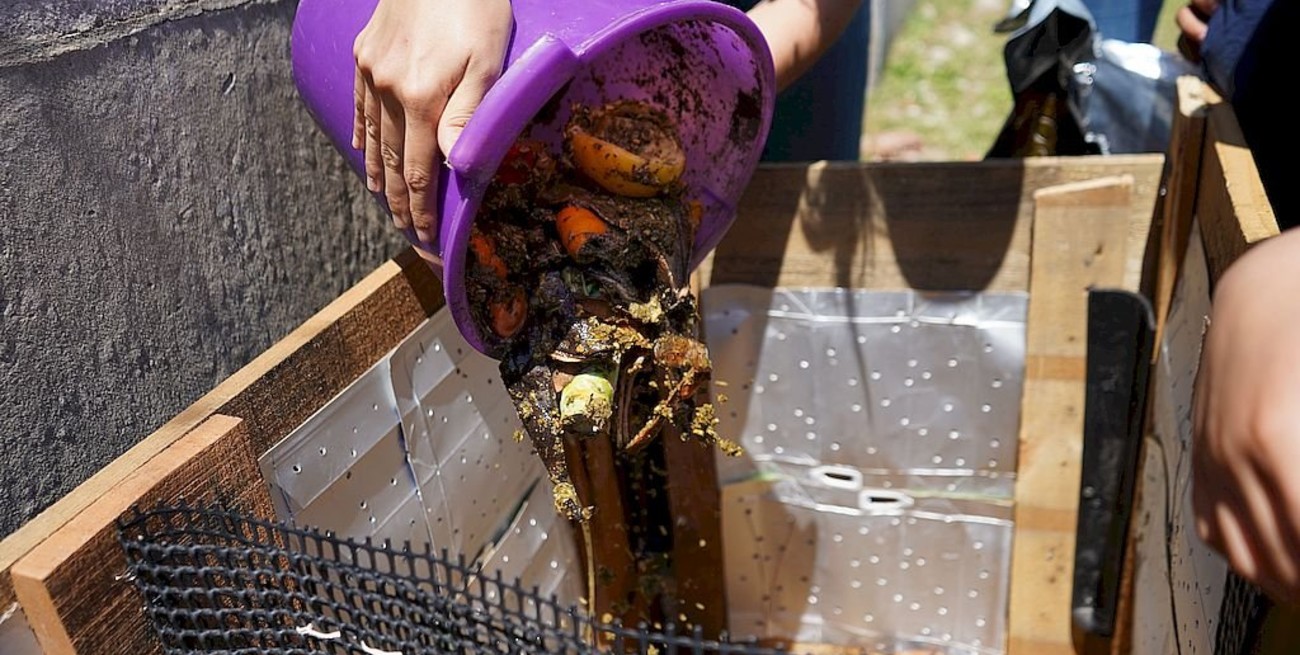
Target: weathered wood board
column 1215, row 210
column 1079, row 242
column 74, row 587
column 273, row 394
column 926, row 226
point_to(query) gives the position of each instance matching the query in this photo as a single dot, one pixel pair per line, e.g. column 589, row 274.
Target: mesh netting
column 1241, row 618
column 217, row 581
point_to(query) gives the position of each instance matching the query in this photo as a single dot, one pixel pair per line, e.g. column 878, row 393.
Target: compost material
column 581, row 268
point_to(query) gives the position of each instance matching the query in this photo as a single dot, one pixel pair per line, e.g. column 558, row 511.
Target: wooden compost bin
column 1054, row 227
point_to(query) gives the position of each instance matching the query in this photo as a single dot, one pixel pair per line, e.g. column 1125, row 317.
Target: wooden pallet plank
column 1234, row 215
column 275, row 391
column 73, row 585
column 1171, row 229
column 928, row 226
column 695, row 498
column 1231, row 205
column 1182, row 178
column 1080, row 240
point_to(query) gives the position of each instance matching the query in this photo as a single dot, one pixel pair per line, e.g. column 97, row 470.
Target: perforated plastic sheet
column 872, row 505
column 422, row 448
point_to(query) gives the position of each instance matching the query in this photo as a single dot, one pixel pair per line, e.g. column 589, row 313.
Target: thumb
column 462, row 104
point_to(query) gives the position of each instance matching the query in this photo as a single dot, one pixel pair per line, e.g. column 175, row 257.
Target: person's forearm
column 799, row 31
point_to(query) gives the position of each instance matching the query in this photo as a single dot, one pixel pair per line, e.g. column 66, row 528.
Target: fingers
column 373, row 120
column 462, row 103
column 413, row 61
column 1234, row 542
column 359, row 92
column 420, row 170
column 1273, row 552
column 392, row 131
column 1192, row 24
column 1204, row 8
column 1244, row 507
column 1193, row 34
column 1280, row 492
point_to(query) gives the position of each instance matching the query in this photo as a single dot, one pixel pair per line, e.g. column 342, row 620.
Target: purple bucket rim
column 454, row 234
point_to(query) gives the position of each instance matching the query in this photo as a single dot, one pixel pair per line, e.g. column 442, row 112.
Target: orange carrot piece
column 576, row 225
column 485, row 251
column 508, row 315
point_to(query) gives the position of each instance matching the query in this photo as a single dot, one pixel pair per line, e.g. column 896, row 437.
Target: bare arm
column 800, row 31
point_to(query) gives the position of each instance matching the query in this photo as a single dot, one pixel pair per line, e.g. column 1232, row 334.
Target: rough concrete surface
column 168, row 210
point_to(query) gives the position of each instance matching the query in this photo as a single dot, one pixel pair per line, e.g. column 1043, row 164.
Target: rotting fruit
column 629, row 148
column 602, row 356
column 602, row 235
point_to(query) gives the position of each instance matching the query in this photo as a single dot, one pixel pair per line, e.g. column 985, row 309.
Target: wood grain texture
column 1171, row 231
column 73, row 585
column 1079, row 241
column 274, row 392
column 1234, row 214
column 927, row 226
column 1231, row 206
column 1182, row 178
column 695, row 502
column 1210, row 177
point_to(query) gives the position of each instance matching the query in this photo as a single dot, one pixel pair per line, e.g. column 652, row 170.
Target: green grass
column 945, row 82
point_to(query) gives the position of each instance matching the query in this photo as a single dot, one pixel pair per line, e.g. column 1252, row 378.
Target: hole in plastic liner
column 883, row 499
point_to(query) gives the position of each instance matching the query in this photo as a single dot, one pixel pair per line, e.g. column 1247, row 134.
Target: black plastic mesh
column 216, row 581
column 1241, row 618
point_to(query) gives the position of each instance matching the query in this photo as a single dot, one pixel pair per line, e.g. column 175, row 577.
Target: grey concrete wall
column 168, row 210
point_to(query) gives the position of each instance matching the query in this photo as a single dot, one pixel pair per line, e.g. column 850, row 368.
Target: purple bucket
column 703, row 62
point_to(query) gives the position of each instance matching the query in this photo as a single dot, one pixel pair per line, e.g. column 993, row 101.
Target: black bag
column 1079, row 93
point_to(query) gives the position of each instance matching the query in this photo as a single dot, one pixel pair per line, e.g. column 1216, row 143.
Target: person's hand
column 1246, row 448
column 1192, row 23
column 422, row 69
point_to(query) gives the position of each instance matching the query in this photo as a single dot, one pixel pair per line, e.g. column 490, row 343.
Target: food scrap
column 580, row 267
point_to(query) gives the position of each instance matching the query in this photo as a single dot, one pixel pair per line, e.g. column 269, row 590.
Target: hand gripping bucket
column 703, row 62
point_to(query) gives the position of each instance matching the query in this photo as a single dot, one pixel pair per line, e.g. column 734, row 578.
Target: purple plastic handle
column 702, row 61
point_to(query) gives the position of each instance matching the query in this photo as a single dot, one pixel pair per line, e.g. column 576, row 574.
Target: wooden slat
column 1018, row 645
column 1079, row 241
column 1171, row 229
column 72, row 585
column 1211, row 177
column 928, row 226
column 1174, row 223
column 1182, row 177
column 695, row 500
column 274, row 392
column 1231, row 205
column 1234, row 215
